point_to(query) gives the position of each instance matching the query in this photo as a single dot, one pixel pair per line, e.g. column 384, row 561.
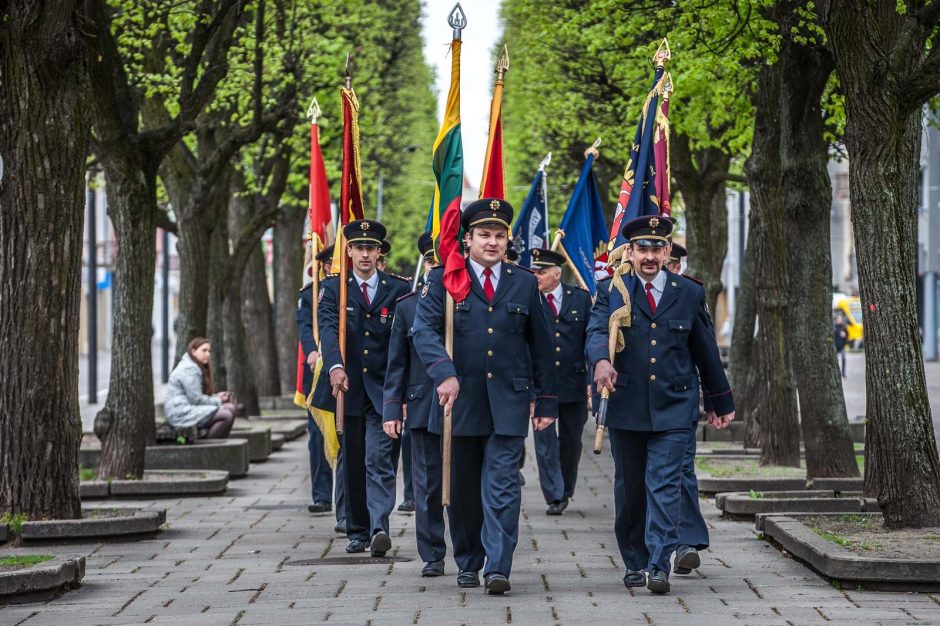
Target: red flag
column 456, row 278
column 661, row 150
column 350, row 201
column 319, row 209
column 493, row 185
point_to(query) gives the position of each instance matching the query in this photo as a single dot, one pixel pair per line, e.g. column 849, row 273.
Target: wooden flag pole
column 446, row 453
column 556, row 245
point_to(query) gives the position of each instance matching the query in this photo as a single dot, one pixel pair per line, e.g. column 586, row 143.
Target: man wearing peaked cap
column 676, row 254
column 499, row 330
column 410, row 401
column 558, row 451
column 654, row 386
column 693, row 531
column 367, row 451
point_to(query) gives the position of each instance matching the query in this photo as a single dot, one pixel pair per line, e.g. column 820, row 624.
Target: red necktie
column 551, row 303
column 365, row 294
column 488, row 284
column 650, row 298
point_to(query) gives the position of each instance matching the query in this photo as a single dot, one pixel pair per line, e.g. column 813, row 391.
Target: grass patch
column 727, row 468
column 842, row 541
column 87, row 473
column 13, row 522
column 756, row 495
column 718, row 467
column 26, row 560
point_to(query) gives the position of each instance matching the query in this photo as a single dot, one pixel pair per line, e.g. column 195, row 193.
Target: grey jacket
column 185, row 403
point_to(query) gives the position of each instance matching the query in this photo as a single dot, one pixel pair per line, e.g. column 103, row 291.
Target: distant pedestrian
column 190, row 396
column 841, row 336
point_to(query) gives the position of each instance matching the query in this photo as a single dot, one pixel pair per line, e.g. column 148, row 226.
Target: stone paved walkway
column 226, row 560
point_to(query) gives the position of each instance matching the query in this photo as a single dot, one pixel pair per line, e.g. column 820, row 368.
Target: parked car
column 851, row 308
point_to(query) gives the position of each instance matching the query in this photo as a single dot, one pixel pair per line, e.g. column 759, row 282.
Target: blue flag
column 531, row 227
column 584, row 225
column 638, row 189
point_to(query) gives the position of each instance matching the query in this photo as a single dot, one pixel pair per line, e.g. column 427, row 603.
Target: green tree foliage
column 587, row 65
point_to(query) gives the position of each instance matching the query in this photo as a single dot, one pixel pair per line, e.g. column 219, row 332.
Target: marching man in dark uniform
column 653, row 385
column 499, row 328
column 568, row 309
column 693, row 531
column 410, row 399
column 321, row 474
column 367, row 450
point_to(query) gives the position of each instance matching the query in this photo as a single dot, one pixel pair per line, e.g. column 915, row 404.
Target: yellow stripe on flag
column 325, row 420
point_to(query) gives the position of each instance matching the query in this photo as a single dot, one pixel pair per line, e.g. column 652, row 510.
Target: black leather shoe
column 687, row 559
column 658, row 581
column 357, row 545
column 468, row 579
column 497, row 584
column 320, row 507
column 433, row 569
column 407, row 506
column 340, row 527
column 634, row 578
column 381, row 543
column 554, row 508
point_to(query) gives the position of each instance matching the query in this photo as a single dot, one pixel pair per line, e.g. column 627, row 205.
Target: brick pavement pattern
column 226, row 560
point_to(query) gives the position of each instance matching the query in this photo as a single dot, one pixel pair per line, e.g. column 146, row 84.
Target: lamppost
column 378, row 204
column 92, row 278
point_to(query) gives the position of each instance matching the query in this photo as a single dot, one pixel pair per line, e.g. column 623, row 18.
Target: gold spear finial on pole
column 663, row 54
column 502, row 65
column 313, row 111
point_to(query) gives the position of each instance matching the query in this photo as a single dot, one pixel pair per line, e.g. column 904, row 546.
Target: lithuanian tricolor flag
column 448, row 173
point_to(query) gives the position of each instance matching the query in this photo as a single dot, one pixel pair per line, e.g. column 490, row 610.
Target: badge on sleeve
column 425, row 289
column 320, row 297
column 300, row 302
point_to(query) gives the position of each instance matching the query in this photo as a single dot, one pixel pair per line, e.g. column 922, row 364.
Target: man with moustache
column 499, row 328
column 653, row 406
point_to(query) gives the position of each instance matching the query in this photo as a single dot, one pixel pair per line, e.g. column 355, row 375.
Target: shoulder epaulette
column 694, row 280
column 406, row 296
column 400, row 277
column 307, row 286
column 603, row 280
column 519, row 267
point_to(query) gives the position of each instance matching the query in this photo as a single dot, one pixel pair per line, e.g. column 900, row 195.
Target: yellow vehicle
column 851, row 308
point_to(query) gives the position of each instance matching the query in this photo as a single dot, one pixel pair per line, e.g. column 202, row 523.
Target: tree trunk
column 257, row 315
column 192, row 245
column 215, row 327
column 742, row 354
column 125, row 424
column 700, row 178
column 288, row 265
column 44, row 131
column 878, row 54
column 775, row 405
column 807, row 198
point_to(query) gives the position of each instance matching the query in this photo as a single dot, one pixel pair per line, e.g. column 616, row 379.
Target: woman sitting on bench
column 190, row 398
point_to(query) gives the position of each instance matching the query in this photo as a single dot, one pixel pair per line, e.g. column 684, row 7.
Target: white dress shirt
column 659, row 284
column 478, row 270
column 556, row 295
column 372, row 282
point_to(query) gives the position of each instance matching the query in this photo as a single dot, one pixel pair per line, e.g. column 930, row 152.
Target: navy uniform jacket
column 493, row 342
column 405, row 378
column 367, row 334
column 570, row 335
column 657, row 382
column 304, row 317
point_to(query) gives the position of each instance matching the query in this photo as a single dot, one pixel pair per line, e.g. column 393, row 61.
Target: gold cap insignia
column 366, row 226
column 654, row 222
column 536, row 253
column 494, row 204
